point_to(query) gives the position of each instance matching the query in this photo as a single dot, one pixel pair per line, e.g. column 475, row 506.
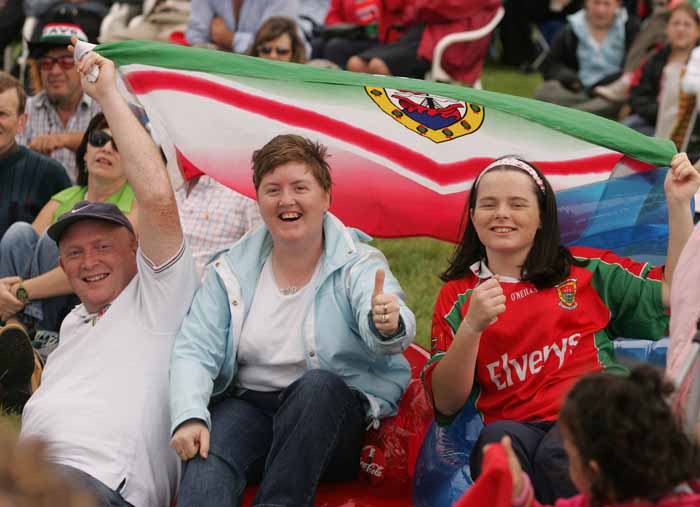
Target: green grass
column 497, row 78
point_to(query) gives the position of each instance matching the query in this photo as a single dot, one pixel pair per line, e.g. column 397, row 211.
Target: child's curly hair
column 626, row 425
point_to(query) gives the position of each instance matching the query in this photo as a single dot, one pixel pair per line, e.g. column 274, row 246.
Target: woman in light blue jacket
column 297, row 333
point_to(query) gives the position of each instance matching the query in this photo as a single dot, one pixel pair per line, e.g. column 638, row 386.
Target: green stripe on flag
column 585, row 126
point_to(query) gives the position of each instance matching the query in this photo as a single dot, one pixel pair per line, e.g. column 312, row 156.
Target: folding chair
column 437, row 73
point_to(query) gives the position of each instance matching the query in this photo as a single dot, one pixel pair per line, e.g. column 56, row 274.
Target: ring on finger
column 386, row 308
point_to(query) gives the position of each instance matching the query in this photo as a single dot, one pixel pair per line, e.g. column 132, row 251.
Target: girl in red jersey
column 521, row 317
column 625, row 446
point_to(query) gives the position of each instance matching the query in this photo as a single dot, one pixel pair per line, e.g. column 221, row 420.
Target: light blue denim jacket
column 338, row 333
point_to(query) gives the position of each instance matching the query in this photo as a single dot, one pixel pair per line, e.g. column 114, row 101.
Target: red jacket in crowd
column 357, row 12
column 462, row 61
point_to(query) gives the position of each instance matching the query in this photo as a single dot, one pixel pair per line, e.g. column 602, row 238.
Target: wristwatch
column 22, row 293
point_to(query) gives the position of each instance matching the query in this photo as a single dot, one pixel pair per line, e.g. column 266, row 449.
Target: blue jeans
column 288, row 441
column 25, row 254
column 104, row 496
column 540, row 450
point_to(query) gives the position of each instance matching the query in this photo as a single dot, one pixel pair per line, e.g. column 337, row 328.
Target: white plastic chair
column 117, row 19
column 437, row 73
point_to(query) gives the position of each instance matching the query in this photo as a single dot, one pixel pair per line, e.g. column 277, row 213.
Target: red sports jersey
column 546, row 340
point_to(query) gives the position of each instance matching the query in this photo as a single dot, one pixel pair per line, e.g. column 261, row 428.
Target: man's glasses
column 98, row 138
column 267, row 50
column 66, row 62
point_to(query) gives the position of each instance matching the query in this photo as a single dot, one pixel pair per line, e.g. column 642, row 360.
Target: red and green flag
column 404, row 152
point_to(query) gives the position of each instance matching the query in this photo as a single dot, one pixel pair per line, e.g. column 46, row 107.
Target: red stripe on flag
column 442, row 173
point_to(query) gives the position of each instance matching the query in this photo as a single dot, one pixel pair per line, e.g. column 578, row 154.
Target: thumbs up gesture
column 385, row 307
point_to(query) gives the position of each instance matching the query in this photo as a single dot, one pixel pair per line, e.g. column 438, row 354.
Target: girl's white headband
column 513, row 162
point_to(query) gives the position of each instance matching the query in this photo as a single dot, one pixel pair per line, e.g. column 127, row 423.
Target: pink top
column 685, row 292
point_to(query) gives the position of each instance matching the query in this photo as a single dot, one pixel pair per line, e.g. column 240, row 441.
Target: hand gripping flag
column 404, row 152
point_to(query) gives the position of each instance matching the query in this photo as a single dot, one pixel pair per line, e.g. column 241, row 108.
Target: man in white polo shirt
column 102, row 406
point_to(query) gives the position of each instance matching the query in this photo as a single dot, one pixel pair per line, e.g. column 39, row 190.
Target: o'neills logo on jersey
column 506, row 371
column 567, row 294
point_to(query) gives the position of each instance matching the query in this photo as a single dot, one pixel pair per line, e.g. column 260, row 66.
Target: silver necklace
column 289, row 291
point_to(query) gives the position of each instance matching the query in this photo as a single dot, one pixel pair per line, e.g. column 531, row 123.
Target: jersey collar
column 482, row 271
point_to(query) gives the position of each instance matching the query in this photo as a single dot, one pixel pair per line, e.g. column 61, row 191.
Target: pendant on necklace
column 289, row 291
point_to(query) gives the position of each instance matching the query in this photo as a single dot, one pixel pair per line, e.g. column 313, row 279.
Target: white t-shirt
column 102, row 406
column 271, row 349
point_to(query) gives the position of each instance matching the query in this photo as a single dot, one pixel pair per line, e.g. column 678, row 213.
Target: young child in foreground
column 626, row 447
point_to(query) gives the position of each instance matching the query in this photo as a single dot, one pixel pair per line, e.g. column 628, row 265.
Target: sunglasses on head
column 98, row 138
column 66, row 62
column 266, row 50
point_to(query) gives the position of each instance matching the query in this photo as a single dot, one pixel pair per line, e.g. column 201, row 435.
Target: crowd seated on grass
column 654, row 98
column 588, row 52
column 38, row 295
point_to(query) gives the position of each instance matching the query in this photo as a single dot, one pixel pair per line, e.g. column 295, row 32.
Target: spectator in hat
column 27, row 179
column 59, row 113
column 102, row 406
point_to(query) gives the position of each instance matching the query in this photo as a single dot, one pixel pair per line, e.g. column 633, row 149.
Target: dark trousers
column 339, row 50
column 287, row 441
column 103, row 495
column 540, row 450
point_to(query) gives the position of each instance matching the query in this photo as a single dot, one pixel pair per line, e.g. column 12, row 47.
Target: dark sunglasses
column 98, row 138
column 66, row 62
column 266, row 50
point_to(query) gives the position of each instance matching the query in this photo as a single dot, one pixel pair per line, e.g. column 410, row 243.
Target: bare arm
column 45, row 217
column 71, row 140
column 50, row 284
column 453, row 377
column 159, row 223
column 682, row 181
column 48, row 143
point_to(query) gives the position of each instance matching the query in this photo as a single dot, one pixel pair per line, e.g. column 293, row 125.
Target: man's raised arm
column 160, row 234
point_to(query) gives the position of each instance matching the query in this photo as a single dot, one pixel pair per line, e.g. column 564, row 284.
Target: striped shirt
column 27, row 182
column 42, row 119
column 213, row 217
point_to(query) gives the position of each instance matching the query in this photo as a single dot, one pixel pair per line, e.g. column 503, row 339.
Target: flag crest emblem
column 438, row 118
column 567, row 294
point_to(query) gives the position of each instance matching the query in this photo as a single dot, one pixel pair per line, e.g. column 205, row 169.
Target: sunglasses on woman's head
column 66, row 62
column 266, row 50
column 98, row 138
